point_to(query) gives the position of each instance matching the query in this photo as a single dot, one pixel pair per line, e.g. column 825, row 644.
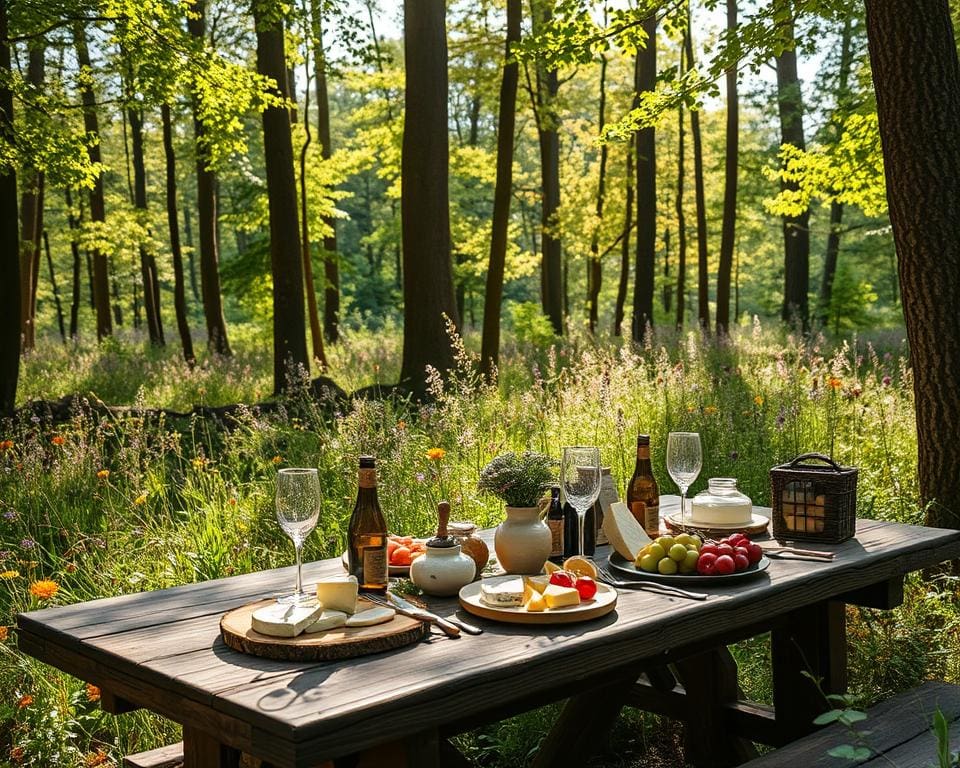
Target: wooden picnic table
column 162, row 651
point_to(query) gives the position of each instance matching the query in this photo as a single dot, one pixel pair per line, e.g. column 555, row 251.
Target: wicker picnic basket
column 813, row 501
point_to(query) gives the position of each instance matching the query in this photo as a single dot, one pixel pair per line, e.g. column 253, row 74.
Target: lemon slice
column 549, row 567
column 581, row 566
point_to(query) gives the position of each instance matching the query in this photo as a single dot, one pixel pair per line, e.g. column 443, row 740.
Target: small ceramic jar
column 444, row 568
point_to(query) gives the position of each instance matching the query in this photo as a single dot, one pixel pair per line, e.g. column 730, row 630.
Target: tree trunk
column 9, row 238
column 207, row 211
column 703, row 267
column 289, row 337
column 645, row 77
column 916, row 76
column 731, row 164
column 148, row 263
column 595, row 274
column 619, row 311
column 56, row 291
column 502, row 193
column 836, row 208
column 424, row 207
column 31, row 218
column 667, row 293
column 101, row 279
column 796, row 231
column 173, row 222
column 681, row 223
column 191, row 261
column 331, row 263
column 77, row 267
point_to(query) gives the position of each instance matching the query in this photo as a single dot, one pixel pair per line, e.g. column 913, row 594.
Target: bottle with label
column 643, row 496
column 608, row 495
column 572, row 531
column 556, row 522
column 367, row 533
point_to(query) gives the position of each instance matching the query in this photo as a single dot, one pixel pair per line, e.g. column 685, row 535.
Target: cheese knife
column 415, row 611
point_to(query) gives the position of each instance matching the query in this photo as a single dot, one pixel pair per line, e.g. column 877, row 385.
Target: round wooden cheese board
column 604, row 602
column 330, row 645
column 756, row 526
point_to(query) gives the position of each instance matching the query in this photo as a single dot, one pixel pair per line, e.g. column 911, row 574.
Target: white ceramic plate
column 604, row 602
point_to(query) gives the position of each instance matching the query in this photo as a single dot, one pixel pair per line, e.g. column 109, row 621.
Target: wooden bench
column 898, row 731
column 170, row 756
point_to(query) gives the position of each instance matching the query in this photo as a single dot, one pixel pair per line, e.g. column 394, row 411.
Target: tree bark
column 645, row 76
column 31, row 217
column 56, row 290
column 101, row 280
column 595, row 273
column 619, row 310
column 331, row 258
column 796, row 230
column 77, row 267
column 148, row 263
column 173, row 223
column 191, row 261
column 502, row 193
column 9, row 238
column 916, row 76
column 289, row 337
column 681, row 223
column 207, row 211
column 731, row 165
column 424, row 207
column 703, row 267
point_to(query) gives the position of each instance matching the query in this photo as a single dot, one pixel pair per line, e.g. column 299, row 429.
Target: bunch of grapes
column 687, row 555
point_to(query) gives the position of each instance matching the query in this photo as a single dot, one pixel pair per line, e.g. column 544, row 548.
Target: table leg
column 710, row 681
column 420, row 750
column 812, row 641
column 200, row 750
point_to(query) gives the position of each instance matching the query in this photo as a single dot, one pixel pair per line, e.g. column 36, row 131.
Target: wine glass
column 298, row 507
column 580, row 475
column 684, row 460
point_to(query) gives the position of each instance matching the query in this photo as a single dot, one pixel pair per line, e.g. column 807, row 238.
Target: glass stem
column 581, row 518
column 296, row 546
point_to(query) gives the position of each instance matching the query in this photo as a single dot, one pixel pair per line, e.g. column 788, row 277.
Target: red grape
column 725, row 565
column 709, row 549
column 754, row 552
column 725, row 549
column 562, row 578
column 587, row 587
column 706, row 563
column 742, row 562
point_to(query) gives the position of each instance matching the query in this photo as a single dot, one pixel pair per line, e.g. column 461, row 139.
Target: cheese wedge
column 327, row 620
column 338, row 593
column 556, row 596
column 536, row 603
column 280, row 620
column 504, row 594
column 538, row 583
column 377, row 615
column 624, row 532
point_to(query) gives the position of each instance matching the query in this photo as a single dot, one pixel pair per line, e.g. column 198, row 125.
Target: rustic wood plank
column 886, row 595
column 201, row 750
column 115, row 705
column 170, row 756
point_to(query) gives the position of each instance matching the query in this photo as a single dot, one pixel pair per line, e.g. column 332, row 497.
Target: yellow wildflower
column 103, row 474
column 8, row 575
column 198, row 462
column 4, row 633
column 44, row 589
column 711, row 410
column 140, row 500
column 93, row 693
column 58, row 440
column 758, row 400
column 435, row 454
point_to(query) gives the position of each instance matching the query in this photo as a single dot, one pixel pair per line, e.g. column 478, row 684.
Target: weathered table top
column 162, row 650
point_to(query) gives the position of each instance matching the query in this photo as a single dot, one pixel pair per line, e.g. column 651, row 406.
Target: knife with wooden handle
column 415, row 611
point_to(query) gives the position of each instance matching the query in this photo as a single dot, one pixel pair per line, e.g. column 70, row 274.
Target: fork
column 607, row 578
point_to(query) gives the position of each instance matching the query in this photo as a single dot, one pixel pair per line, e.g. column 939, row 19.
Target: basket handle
column 819, row 456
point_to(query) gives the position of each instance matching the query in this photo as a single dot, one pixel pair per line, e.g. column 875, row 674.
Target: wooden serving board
column 331, row 645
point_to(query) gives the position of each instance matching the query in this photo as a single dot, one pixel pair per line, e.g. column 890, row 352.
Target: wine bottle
column 556, row 521
column 643, row 496
column 367, row 533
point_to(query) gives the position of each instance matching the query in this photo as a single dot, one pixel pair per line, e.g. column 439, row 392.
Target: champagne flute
column 580, row 475
column 298, row 507
column 684, row 460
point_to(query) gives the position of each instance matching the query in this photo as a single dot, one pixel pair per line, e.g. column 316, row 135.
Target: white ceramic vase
column 522, row 541
column 442, row 571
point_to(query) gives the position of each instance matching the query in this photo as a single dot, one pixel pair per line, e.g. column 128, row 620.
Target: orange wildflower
column 93, row 759
column 4, row 634
column 401, row 425
column 44, row 589
column 711, row 410
column 103, row 474
column 6, row 445
column 277, row 459
column 435, row 454
column 58, row 440
column 17, row 754
column 93, row 693
column 834, row 383
column 25, row 701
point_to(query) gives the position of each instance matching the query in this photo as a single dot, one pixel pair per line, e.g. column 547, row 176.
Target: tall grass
column 107, row 505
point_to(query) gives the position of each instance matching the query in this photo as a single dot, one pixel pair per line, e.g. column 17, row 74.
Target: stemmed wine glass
column 580, row 475
column 298, row 507
column 684, row 460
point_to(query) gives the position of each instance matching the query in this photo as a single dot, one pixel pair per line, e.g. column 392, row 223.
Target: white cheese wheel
column 327, row 620
column 281, row 620
column 338, row 593
column 624, row 532
column 379, row 614
column 503, row 594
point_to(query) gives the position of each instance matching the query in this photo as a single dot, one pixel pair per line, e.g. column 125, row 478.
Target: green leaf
column 828, row 717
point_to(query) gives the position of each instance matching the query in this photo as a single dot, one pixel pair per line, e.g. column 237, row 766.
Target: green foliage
column 518, row 480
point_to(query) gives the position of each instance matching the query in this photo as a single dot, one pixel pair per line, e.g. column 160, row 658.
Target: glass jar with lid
column 722, row 503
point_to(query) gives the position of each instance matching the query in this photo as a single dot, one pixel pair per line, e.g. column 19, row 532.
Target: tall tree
column 916, row 75
column 731, row 164
column 31, row 214
column 544, row 96
column 331, row 258
column 645, row 79
column 796, row 229
column 9, row 237
column 173, row 222
column 703, row 273
column 619, row 311
column 101, row 283
column 836, row 207
column 502, row 193
column 424, row 205
column 595, row 273
column 289, row 337
column 207, row 207
column 53, row 285
column 77, row 265
column 681, row 221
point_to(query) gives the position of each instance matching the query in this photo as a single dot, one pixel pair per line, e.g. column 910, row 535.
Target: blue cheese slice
column 503, row 594
column 280, row 620
column 327, row 620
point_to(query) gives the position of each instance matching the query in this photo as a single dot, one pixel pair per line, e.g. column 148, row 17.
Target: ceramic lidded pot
column 444, row 568
column 471, row 544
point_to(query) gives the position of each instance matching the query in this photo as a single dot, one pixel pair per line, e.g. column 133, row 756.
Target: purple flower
column 5, row 554
column 421, row 477
column 27, row 544
column 781, row 418
column 10, row 515
column 886, row 381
